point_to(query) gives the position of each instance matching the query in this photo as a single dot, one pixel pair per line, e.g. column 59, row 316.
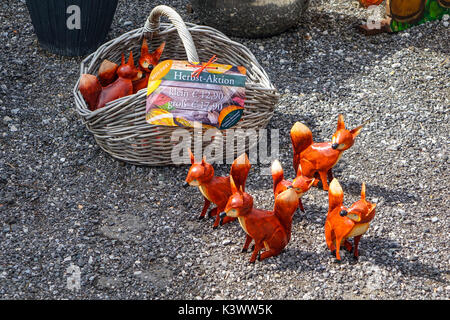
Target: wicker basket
column 120, row 128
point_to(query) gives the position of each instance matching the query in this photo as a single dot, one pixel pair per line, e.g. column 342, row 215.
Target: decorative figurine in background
column 368, row 3
column 404, row 14
column 343, row 223
column 301, row 184
column 269, row 229
column 147, row 62
column 97, row 96
column 217, row 189
column 320, row 157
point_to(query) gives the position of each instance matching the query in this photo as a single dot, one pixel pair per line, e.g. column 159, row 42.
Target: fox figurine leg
column 258, row 247
column 356, row 240
column 206, row 205
column 275, row 245
column 248, row 240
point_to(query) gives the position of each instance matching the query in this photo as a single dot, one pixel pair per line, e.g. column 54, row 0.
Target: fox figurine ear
column 233, row 185
column 299, row 170
column 144, row 48
column 371, row 207
column 341, row 124
column 356, row 131
column 191, row 155
column 131, row 60
column 158, row 52
column 363, row 192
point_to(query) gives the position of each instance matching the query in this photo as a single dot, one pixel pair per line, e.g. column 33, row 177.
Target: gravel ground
column 133, row 230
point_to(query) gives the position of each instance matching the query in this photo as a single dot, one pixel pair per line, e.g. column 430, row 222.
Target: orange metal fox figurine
column 320, row 157
column 343, row 223
column 301, row 184
column 269, row 229
column 97, row 96
column 217, row 189
column 147, row 62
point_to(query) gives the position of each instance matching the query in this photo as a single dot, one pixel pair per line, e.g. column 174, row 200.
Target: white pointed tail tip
column 288, row 195
column 299, row 127
column 242, row 159
column 335, row 187
column 276, row 166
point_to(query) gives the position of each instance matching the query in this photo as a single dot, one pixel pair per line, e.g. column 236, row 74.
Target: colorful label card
column 176, row 97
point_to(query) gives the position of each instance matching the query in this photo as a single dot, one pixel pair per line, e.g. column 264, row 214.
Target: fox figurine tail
column 239, row 170
column 107, row 73
column 90, row 89
column 301, row 138
column 286, row 203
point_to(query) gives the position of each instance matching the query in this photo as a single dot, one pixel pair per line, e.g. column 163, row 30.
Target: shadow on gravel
column 313, row 213
column 386, row 255
column 389, row 195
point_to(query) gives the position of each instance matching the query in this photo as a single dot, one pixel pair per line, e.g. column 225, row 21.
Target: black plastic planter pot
column 71, row 27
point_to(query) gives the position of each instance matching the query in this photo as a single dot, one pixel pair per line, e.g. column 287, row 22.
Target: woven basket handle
column 152, row 26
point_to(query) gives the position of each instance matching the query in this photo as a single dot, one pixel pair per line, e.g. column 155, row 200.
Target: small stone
column 434, row 219
column 13, row 128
